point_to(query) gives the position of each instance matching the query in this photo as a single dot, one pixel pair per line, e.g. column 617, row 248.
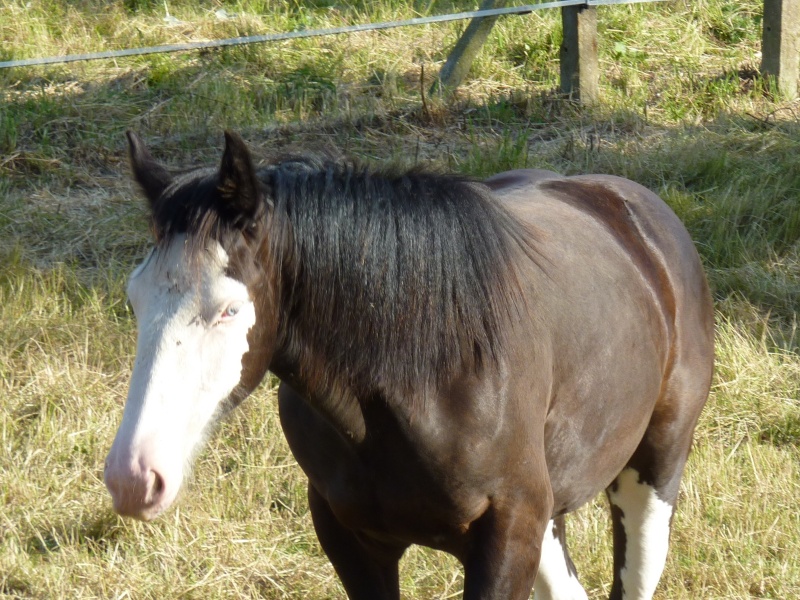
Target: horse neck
column 388, row 307
column 329, row 393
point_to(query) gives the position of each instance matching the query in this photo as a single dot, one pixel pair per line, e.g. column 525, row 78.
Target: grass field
column 683, row 112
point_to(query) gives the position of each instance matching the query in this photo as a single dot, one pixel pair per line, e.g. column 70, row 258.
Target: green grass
column 683, row 111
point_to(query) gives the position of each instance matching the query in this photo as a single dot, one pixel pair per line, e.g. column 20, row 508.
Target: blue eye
column 231, row 311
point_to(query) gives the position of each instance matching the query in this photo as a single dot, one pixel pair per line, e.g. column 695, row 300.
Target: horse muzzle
column 139, row 487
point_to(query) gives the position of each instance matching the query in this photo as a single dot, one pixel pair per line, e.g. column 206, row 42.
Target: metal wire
column 290, row 35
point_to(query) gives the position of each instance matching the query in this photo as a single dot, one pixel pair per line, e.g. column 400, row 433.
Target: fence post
column 578, row 55
column 466, row 49
column 780, row 44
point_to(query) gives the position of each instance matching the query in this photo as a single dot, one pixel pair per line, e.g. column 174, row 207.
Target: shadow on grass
column 95, row 536
column 784, row 432
column 15, row 587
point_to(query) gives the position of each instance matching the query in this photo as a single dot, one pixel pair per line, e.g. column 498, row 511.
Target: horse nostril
column 158, row 485
column 155, row 487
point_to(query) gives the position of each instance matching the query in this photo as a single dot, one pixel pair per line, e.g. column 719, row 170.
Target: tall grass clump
column 683, row 111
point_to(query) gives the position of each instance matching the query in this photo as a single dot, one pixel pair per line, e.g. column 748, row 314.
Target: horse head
column 206, row 325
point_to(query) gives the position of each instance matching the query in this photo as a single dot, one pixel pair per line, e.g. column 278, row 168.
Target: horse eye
column 231, row 311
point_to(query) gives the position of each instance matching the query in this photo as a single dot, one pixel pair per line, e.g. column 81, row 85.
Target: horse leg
column 505, row 548
column 641, row 520
column 642, row 500
column 557, row 578
column 368, row 571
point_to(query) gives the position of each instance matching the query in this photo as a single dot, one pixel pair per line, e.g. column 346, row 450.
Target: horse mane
column 392, row 279
column 396, row 279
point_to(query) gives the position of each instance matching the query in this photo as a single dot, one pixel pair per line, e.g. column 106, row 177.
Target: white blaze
column 193, row 322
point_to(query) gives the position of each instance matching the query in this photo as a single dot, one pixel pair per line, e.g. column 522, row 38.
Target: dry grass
column 682, row 113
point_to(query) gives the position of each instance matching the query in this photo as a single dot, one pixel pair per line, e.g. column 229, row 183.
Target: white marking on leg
column 646, row 521
column 555, row 580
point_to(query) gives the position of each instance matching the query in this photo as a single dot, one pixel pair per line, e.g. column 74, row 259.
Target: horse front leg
column 505, row 550
column 368, row 571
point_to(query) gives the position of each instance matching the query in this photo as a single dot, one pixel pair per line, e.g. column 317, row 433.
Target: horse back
column 625, row 214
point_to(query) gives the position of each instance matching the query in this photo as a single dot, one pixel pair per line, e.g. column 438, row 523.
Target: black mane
column 394, row 279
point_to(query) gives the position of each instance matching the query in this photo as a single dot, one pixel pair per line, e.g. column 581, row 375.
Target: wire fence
column 291, row 35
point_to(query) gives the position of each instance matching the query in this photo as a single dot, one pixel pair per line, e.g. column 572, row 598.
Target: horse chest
column 373, row 495
column 388, row 485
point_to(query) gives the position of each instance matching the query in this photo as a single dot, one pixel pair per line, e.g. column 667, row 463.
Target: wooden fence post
column 780, row 44
column 578, row 56
column 466, row 49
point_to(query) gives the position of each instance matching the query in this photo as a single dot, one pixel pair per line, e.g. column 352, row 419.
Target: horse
column 462, row 362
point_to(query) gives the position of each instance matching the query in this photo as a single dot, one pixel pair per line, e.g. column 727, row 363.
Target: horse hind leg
column 641, row 523
column 557, row 578
column 642, row 499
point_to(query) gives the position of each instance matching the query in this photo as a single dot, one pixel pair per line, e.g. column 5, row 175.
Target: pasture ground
column 683, row 112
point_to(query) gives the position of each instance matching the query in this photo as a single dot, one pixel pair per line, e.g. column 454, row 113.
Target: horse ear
column 239, row 185
column 151, row 176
